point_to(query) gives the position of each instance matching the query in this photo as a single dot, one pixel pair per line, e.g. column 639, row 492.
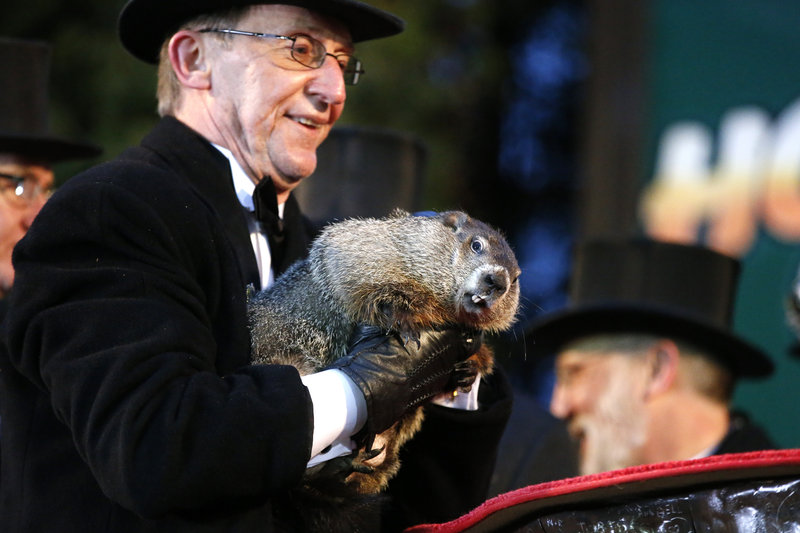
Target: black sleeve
column 446, row 468
column 114, row 296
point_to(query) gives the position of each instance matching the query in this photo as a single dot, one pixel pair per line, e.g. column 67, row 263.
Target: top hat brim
column 49, row 149
column 548, row 335
column 145, row 24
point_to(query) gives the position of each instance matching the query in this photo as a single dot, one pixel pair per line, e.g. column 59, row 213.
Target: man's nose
column 559, row 402
column 329, row 82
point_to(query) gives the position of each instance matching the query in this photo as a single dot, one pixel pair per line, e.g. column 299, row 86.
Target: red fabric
column 629, row 481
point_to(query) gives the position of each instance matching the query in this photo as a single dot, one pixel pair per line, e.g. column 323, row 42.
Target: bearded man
column 646, row 362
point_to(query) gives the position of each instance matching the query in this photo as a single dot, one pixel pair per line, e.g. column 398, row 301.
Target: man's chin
column 286, row 183
column 290, row 176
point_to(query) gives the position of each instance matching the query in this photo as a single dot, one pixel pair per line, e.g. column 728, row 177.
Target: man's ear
column 663, row 358
column 188, row 55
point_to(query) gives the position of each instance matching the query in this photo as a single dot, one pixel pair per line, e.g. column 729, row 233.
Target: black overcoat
column 127, row 402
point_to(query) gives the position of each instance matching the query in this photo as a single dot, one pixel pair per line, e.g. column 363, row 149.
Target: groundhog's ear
column 399, row 213
column 454, row 219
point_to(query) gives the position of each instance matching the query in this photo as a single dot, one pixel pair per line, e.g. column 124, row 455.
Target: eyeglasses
column 24, row 189
column 308, row 52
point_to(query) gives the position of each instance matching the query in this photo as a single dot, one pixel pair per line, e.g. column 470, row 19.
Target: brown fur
column 403, row 273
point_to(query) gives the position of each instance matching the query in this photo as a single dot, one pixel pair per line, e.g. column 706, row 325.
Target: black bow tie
column 288, row 237
column 265, row 201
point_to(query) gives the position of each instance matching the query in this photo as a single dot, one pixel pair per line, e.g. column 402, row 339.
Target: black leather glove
column 397, row 376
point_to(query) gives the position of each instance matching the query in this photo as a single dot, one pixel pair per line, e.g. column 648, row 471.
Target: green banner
column 724, row 166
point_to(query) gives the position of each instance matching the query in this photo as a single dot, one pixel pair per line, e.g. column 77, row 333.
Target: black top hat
column 686, row 292
column 24, row 128
column 145, row 24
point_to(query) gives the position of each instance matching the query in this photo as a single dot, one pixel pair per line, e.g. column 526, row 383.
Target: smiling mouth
column 307, row 122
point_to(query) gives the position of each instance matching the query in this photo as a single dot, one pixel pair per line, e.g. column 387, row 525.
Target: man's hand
column 395, row 377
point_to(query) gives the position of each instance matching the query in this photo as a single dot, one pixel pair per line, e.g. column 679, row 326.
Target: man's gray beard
column 614, row 433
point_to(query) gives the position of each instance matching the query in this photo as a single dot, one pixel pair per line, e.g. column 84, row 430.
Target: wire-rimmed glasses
column 307, row 51
column 22, row 189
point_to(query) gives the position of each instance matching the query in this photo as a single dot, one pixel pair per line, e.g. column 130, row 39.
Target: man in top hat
column 132, row 405
column 27, row 147
column 646, row 362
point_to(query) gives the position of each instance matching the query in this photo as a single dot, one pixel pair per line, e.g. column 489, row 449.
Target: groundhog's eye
column 477, row 245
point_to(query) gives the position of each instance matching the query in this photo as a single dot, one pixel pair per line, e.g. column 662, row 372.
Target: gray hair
column 168, row 92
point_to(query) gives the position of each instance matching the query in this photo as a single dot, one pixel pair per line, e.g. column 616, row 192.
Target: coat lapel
column 208, row 171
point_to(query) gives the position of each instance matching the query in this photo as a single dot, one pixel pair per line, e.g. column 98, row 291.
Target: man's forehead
column 594, row 361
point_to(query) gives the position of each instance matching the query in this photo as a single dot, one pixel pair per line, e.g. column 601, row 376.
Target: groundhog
column 401, row 273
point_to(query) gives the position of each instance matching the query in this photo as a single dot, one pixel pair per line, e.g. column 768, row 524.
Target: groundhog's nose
column 496, row 282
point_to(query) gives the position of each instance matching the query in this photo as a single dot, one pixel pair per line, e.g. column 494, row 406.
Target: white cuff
column 339, row 411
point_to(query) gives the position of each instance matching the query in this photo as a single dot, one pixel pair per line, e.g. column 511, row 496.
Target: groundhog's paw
column 466, row 372
column 334, row 471
column 360, row 461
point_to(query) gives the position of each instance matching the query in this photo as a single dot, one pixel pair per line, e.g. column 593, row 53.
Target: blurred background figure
column 646, row 362
column 28, row 149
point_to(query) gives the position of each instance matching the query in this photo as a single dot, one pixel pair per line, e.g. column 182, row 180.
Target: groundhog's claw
column 339, row 468
column 334, row 470
column 363, row 469
column 408, row 336
column 366, row 455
